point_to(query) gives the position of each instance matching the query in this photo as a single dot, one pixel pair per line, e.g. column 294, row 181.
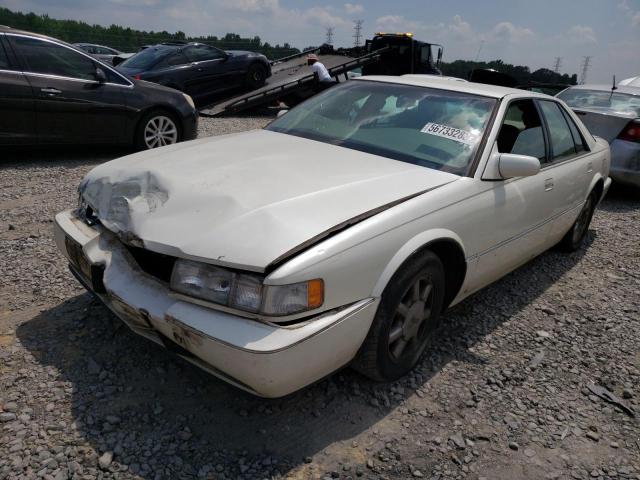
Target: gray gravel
column 501, row 394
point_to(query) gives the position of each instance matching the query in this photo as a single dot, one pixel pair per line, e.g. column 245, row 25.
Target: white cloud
column 396, row 23
column 507, row 31
column 353, row 8
column 461, row 29
column 629, row 12
column 582, row 34
column 252, row 5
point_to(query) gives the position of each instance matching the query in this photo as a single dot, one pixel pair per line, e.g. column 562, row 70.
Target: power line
column 479, row 50
column 557, row 64
column 586, row 63
column 357, row 35
column 329, row 37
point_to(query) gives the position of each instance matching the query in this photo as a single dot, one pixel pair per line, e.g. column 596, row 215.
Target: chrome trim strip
column 77, row 50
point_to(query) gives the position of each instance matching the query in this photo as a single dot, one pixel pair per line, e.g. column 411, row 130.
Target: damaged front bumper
column 262, row 358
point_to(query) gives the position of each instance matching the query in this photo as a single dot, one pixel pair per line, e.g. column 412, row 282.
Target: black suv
column 54, row 93
column 197, row 68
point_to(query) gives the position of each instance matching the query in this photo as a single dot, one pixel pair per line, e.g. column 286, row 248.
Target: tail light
column 631, row 132
column 137, row 76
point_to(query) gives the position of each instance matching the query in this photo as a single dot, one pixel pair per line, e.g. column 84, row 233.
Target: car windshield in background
column 146, row 58
column 433, row 128
column 601, row 99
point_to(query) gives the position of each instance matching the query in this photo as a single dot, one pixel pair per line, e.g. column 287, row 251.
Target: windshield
column 619, row 102
column 147, row 58
column 429, row 127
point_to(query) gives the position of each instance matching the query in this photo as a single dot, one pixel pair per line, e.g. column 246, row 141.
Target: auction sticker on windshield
column 452, row 133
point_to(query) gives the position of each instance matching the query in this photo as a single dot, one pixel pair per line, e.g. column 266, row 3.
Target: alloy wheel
column 411, row 320
column 160, row 131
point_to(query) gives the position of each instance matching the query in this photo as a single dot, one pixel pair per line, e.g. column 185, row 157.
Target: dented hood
column 246, row 200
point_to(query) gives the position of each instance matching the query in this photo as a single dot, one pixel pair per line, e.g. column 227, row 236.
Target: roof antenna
column 613, row 87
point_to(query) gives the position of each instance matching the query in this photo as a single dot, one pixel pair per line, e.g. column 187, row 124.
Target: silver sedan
column 615, row 116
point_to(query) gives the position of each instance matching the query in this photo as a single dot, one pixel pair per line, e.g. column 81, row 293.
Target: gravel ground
column 502, row 393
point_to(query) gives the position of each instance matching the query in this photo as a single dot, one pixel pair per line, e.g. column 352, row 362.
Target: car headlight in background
column 245, row 291
column 189, row 100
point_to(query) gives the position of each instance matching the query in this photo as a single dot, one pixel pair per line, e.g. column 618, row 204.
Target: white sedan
column 339, row 233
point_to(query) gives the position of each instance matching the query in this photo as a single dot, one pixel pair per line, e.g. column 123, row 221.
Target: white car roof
column 446, row 83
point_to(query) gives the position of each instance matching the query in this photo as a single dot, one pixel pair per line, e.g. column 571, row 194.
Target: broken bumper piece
column 264, row 359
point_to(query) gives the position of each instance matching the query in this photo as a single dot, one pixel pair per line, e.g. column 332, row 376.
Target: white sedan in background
column 339, row 233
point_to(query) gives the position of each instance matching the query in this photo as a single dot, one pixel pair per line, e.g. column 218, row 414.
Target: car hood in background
column 246, row 200
column 604, row 122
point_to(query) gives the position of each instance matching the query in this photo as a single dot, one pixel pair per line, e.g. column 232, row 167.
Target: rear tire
column 574, row 238
column 256, row 76
column 407, row 316
column 157, row 128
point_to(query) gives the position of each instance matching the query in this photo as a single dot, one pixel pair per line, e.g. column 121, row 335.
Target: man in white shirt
column 324, row 79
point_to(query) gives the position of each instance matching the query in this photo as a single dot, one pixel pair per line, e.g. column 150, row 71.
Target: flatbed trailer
column 291, row 80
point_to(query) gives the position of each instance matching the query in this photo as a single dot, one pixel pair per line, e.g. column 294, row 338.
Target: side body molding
column 414, row 244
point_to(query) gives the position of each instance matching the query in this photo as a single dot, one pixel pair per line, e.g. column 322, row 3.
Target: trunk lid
column 604, row 122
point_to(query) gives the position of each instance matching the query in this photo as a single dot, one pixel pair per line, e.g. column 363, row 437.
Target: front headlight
column 189, row 100
column 245, row 291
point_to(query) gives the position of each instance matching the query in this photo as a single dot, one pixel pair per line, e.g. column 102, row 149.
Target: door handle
column 548, row 184
column 589, row 167
column 50, row 91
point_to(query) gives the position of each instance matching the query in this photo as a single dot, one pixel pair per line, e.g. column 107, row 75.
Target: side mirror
column 511, row 165
column 101, row 77
column 439, row 54
column 281, row 113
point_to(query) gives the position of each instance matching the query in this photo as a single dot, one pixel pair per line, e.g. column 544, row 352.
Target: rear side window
column 176, row 58
column 52, row 59
column 578, row 139
column 4, row 60
column 562, row 144
column 201, row 53
column 521, row 133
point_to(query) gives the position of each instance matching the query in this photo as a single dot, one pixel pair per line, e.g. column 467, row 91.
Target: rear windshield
column 147, row 58
column 433, row 128
column 601, row 99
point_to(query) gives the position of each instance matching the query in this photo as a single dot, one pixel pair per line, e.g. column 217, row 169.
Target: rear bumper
column 264, row 359
column 625, row 162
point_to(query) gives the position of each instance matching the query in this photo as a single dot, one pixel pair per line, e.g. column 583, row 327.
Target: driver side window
column 521, row 133
column 52, row 59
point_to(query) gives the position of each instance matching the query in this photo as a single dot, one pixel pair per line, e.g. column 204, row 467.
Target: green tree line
column 130, row 40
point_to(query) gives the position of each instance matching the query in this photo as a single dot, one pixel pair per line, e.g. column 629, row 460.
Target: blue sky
column 523, row 32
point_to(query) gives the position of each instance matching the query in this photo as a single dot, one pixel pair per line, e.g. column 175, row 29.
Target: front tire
column 157, row 129
column 574, row 238
column 407, row 316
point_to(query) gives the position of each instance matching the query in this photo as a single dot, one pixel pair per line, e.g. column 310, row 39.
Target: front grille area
column 155, row 264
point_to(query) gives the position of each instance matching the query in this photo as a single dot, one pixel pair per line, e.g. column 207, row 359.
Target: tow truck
column 292, row 81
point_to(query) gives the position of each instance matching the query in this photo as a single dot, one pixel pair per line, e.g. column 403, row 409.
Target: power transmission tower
column 557, row 64
column 357, row 35
column 586, row 63
column 329, row 39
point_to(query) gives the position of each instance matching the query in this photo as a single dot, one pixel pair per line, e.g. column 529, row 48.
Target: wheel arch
column 159, row 108
column 597, row 186
column 447, row 245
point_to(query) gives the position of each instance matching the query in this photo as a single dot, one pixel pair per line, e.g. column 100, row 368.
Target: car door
column 570, row 169
column 17, row 107
column 72, row 106
column 519, row 209
column 210, row 69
